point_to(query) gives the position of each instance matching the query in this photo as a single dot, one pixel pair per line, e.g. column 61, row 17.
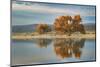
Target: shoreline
column 24, row 37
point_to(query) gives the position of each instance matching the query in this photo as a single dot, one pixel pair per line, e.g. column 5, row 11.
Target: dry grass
column 49, row 35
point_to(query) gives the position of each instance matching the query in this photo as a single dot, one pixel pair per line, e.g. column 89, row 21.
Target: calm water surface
column 40, row 51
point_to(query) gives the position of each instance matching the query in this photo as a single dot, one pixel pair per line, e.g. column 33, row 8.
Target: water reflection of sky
column 24, row 13
column 30, row 52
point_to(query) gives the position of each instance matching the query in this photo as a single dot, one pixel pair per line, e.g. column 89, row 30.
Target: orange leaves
column 69, row 24
column 64, row 24
column 77, row 19
column 42, row 28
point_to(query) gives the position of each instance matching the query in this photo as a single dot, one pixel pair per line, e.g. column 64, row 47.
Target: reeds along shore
column 48, row 35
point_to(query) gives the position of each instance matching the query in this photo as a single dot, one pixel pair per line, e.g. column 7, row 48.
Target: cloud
column 41, row 8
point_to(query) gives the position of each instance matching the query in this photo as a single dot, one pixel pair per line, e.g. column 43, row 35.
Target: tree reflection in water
column 43, row 42
column 66, row 48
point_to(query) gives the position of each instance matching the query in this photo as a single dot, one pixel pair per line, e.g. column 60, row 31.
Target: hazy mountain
column 32, row 28
column 90, row 26
column 24, row 28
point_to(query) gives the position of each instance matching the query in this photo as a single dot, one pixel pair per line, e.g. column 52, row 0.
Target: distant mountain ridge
column 32, row 27
column 24, row 28
column 90, row 26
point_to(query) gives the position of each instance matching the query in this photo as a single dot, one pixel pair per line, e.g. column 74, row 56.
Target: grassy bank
column 50, row 36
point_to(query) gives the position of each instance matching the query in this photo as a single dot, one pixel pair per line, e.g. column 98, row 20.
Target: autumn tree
column 68, row 24
column 61, row 24
column 42, row 28
column 77, row 26
column 77, row 19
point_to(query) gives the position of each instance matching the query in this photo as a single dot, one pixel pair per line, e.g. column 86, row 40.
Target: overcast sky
column 24, row 13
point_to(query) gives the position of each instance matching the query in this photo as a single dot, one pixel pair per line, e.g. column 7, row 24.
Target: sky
column 25, row 13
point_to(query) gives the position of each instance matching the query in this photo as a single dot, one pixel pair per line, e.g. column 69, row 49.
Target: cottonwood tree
column 61, row 24
column 68, row 24
column 77, row 26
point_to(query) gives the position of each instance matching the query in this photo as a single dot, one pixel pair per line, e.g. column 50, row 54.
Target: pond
column 41, row 51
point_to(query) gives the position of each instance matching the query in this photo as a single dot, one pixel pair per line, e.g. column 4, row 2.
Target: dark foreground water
column 41, row 51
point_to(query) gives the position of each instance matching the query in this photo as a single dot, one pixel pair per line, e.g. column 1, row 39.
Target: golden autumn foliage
column 42, row 28
column 61, row 23
column 77, row 19
column 64, row 24
column 68, row 24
